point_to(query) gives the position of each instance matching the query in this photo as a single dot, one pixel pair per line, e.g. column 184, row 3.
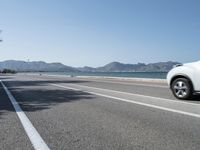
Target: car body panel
column 188, row 70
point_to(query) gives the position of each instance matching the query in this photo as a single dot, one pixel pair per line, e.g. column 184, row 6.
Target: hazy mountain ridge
column 140, row 67
column 111, row 67
column 34, row 66
column 117, row 66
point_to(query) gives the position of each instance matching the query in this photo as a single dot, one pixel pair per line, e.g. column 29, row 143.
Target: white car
column 184, row 80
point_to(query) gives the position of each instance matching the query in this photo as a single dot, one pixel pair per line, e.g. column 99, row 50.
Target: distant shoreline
column 118, row 75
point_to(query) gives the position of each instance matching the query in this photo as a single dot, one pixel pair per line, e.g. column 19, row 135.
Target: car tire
column 182, row 88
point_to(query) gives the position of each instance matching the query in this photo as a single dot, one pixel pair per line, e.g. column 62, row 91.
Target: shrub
column 9, row 71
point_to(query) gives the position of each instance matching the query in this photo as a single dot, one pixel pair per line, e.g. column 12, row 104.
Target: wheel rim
column 180, row 89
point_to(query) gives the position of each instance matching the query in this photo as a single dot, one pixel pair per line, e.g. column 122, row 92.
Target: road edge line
column 132, row 101
column 139, row 95
column 35, row 138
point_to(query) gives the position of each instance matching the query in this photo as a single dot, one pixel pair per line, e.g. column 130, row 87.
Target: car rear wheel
column 182, row 88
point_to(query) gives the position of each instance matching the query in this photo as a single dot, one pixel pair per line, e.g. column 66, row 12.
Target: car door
column 196, row 80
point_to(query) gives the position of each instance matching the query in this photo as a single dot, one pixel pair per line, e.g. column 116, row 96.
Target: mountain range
column 36, row 66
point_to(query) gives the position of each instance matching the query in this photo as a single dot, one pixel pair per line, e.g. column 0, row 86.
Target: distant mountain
column 120, row 67
column 87, row 69
column 140, row 67
column 111, row 67
column 34, row 66
column 160, row 66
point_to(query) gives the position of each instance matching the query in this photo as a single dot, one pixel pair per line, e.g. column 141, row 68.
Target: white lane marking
column 140, row 84
column 139, row 95
column 34, row 136
column 132, row 101
column 107, row 81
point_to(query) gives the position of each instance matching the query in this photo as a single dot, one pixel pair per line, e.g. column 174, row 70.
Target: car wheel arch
column 181, row 76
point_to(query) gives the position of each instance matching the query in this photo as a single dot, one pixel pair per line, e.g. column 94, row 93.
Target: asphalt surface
column 102, row 114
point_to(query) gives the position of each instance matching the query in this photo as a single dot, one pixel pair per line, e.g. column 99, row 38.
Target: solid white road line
column 138, row 84
column 139, row 95
column 132, row 101
column 108, row 81
column 34, row 136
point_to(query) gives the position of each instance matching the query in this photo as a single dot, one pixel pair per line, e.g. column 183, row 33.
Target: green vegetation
column 8, row 71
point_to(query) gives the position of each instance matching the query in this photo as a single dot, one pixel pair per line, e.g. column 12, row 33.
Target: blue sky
column 96, row 32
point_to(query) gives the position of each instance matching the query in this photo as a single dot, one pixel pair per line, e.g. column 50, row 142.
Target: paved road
column 77, row 113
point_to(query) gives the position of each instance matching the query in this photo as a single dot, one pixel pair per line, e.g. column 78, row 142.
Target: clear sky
column 96, row 32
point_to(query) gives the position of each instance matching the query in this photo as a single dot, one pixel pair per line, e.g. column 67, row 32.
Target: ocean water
column 155, row 75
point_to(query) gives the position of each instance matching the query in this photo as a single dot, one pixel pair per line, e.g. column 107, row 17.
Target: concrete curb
column 148, row 80
column 127, row 79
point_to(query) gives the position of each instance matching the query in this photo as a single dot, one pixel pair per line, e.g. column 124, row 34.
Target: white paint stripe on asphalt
column 34, row 136
column 139, row 84
column 132, row 101
column 139, row 95
column 108, row 81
